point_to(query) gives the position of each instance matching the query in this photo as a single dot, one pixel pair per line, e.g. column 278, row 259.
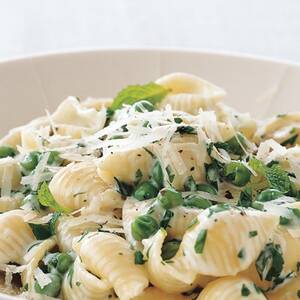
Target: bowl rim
column 173, row 50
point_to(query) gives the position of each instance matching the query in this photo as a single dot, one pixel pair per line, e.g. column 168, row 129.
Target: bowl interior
column 29, row 85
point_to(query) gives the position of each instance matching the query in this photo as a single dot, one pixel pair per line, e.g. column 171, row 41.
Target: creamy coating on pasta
column 162, row 192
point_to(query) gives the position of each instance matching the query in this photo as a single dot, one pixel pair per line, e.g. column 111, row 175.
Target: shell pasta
column 162, row 192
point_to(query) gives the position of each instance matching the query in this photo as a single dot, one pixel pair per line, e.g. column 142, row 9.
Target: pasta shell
column 233, row 288
column 85, row 285
column 16, row 236
column 110, row 257
column 227, row 249
column 76, row 185
column 189, row 93
column 174, row 277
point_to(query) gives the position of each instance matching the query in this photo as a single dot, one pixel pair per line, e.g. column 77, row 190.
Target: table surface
column 260, row 27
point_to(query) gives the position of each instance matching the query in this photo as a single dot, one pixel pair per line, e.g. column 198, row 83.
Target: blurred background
column 260, row 27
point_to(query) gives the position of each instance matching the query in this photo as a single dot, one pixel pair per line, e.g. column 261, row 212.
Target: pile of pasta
column 163, row 192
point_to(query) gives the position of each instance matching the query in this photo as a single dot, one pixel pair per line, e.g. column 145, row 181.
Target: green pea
column 7, row 151
column 269, row 195
column 54, row 158
column 203, row 187
column 31, row 160
column 169, row 198
column 145, row 191
column 143, row 106
column 157, row 175
column 52, row 289
column 169, row 249
column 64, row 261
column 196, row 201
column 237, row 173
column 143, row 227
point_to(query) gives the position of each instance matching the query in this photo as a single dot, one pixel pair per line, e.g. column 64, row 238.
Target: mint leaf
column 151, row 92
column 275, row 176
column 278, row 178
column 46, row 199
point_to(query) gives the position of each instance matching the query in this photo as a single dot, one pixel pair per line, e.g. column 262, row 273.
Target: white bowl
column 29, row 85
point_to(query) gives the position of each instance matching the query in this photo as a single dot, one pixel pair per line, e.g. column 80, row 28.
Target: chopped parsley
column 138, row 258
column 241, row 253
column 200, row 241
column 123, row 188
column 252, row 233
column 269, row 264
column 168, row 215
column 245, row 292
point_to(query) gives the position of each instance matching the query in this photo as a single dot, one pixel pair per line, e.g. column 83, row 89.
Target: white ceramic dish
column 29, row 85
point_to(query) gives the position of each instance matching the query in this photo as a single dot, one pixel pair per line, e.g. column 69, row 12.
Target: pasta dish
column 162, row 192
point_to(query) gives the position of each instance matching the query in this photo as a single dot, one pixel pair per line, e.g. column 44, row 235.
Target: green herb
column 143, row 106
column 270, row 262
column 123, row 188
column 252, row 233
column 245, row 291
column 54, row 158
column 70, row 275
column 151, row 92
column 186, row 129
column 145, row 191
column 46, row 199
column 143, row 227
column 219, row 208
column 7, row 151
column 290, row 141
column 278, row 178
column 83, row 235
column 245, row 199
column 232, row 145
column 213, row 173
column 168, row 215
column 169, row 249
column 44, row 231
column 178, row 120
column 237, row 173
column 78, row 283
column 200, row 241
column 157, row 175
column 207, row 188
column 190, row 184
column 138, row 258
column 52, row 222
column 169, row 198
column 33, row 245
column 283, row 221
column 241, row 253
column 138, row 177
column 171, row 175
